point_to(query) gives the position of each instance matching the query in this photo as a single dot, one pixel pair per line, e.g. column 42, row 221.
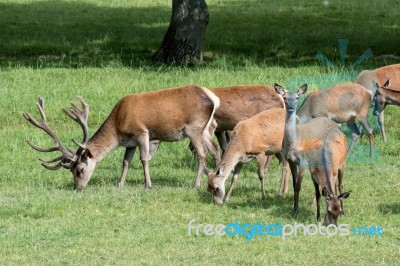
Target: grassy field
column 101, row 50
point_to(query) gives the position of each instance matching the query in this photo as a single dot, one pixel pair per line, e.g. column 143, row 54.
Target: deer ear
column 221, row 170
column 387, row 84
column 279, row 89
column 344, row 195
column 302, row 89
column 88, row 154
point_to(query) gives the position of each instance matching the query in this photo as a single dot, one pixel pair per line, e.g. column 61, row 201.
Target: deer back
column 163, row 113
column 238, row 103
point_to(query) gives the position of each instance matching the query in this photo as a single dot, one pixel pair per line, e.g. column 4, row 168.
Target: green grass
column 101, row 50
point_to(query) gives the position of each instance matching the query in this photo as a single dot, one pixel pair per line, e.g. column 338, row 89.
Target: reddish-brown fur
column 256, row 137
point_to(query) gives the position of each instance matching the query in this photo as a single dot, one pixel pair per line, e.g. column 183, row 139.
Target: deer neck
column 392, row 97
column 290, row 137
column 103, row 141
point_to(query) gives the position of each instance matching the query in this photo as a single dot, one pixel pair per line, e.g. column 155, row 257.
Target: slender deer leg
column 355, row 135
column 367, row 127
column 129, row 153
column 196, row 139
column 293, row 169
column 380, row 121
column 222, row 141
column 263, row 163
column 341, row 186
column 284, row 176
column 298, row 188
column 235, row 176
column 144, row 146
column 317, row 197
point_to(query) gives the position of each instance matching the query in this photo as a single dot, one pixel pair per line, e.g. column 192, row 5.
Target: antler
column 66, row 158
column 81, row 117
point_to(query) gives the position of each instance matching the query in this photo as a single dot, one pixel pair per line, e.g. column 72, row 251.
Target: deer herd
column 249, row 122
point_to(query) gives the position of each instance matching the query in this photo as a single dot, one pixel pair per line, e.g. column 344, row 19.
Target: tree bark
column 184, row 39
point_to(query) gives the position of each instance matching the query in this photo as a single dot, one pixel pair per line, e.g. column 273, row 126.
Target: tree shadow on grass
column 79, row 34
column 389, row 208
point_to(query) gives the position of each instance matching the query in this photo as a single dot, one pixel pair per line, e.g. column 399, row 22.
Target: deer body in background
column 137, row 120
column 380, row 76
column 327, row 169
column 385, row 95
column 257, row 137
column 343, row 103
column 301, row 140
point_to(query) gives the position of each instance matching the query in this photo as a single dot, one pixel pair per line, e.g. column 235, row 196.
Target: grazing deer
column 326, row 166
column 137, row 120
column 385, row 95
column 301, row 140
column 238, row 103
column 380, row 75
column 257, row 137
column 343, row 104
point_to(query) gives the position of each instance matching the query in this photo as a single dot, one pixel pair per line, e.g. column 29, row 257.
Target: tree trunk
column 184, row 39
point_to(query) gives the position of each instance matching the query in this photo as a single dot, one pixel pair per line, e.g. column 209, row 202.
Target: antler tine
column 81, row 117
column 66, row 154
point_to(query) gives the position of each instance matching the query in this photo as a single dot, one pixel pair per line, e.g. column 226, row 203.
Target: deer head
column 290, row 98
column 333, row 205
column 379, row 99
column 215, row 185
column 80, row 162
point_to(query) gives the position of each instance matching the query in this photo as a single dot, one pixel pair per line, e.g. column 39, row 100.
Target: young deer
column 238, row 103
column 385, row 95
column 301, row 140
column 327, row 169
column 380, row 75
column 137, row 120
column 343, row 104
column 257, row 137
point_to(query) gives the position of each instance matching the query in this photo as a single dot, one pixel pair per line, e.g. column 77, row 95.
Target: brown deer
column 238, row 103
column 326, row 166
column 301, row 140
column 137, row 120
column 385, row 95
column 257, row 137
column 343, row 103
column 380, row 75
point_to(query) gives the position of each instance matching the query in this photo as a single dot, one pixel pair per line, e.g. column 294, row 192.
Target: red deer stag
column 137, row 120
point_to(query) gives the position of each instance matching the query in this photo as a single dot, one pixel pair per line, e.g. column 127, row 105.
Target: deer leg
column 263, row 163
column 299, row 180
column 222, row 141
column 129, row 153
column 381, row 125
column 293, row 169
column 367, row 127
column 236, row 172
column 196, row 138
column 317, row 197
column 144, row 147
column 341, row 186
column 284, row 176
column 355, row 135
